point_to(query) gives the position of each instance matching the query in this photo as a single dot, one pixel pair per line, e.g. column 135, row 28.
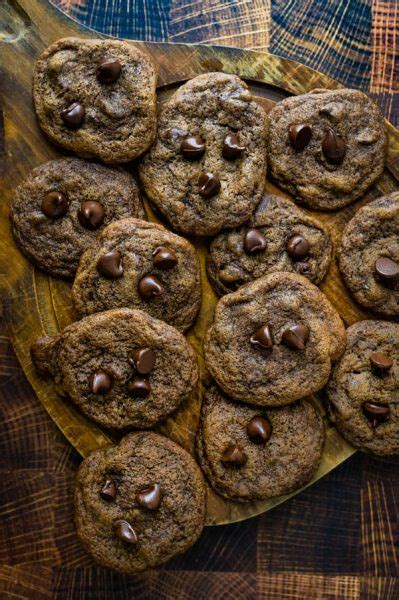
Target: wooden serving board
column 35, row 304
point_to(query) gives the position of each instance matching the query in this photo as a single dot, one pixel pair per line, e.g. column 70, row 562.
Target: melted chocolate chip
column 231, row 147
column 100, row 383
column 150, row 286
column 376, row 413
column 386, row 269
column 73, row 116
column 234, row 456
column 110, row 265
column 164, row 258
column 108, row 70
column 300, row 136
column 108, row 492
column 143, row 360
column 125, row 532
column 150, row 497
column 254, row 241
column 297, row 247
column 209, row 185
column 259, row 430
column 262, row 338
column 334, row 147
column 295, row 337
column 380, row 362
column 91, row 214
column 139, row 387
column 192, row 147
column 54, row 205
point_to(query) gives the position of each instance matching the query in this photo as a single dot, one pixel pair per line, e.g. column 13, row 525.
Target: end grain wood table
column 339, row 538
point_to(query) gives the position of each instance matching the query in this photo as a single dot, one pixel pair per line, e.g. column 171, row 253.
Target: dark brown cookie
column 96, row 98
column 272, row 341
column 251, row 453
column 139, row 503
column 140, row 265
column 62, row 206
column 369, row 255
column 278, row 237
column 207, row 168
column 326, row 147
column 121, row 367
column 363, row 392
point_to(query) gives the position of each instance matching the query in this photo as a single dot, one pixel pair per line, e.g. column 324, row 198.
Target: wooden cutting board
column 35, row 304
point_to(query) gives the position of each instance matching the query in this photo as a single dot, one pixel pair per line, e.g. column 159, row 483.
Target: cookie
column 96, row 98
column 369, row 255
column 326, row 147
column 63, row 205
column 278, row 237
column 207, row 168
column 139, row 503
column 273, row 340
column 363, row 392
column 136, row 264
column 122, row 367
column 251, row 453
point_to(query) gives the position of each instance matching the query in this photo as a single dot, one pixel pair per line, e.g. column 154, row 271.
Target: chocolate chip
column 142, row 359
column 303, row 268
column 380, row 361
column 125, row 532
column 297, row 247
column 55, row 205
column 150, row 497
column 110, row 265
column 295, row 337
column 108, row 70
column 164, row 258
column 231, row 147
column 100, row 383
column 150, row 286
column 91, row 214
column 192, row 147
column 254, row 241
column 209, row 185
column 334, row 147
column 73, row 116
column 376, row 413
column 234, row 456
column 139, row 387
column 386, row 269
column 259, row 430
column 108, row 492
column 263, row 337
column 300, row 136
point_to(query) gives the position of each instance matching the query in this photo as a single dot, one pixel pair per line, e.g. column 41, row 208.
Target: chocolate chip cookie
column 121, row 367
column 139, row 503
column 63, row 205
column 327, row 147
column 251, row 453
column 369, row 255
column 272, row 341
column 363, row 392
column 96, row 98
column 207, row 168
column 278, row 237
column 140, row 265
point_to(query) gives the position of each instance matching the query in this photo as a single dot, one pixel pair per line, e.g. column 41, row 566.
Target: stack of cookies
column 275, row 340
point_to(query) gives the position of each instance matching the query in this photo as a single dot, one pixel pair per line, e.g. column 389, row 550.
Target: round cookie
column 140, row 265
column 62, row 206
column 272, row 341
column 278, row 237
column 207, row 168
column 252, row 454
column 96, row 98
column 326, row 147
column 369, row 255
column 139, row 503
column 363, row 392
column 121, row 367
